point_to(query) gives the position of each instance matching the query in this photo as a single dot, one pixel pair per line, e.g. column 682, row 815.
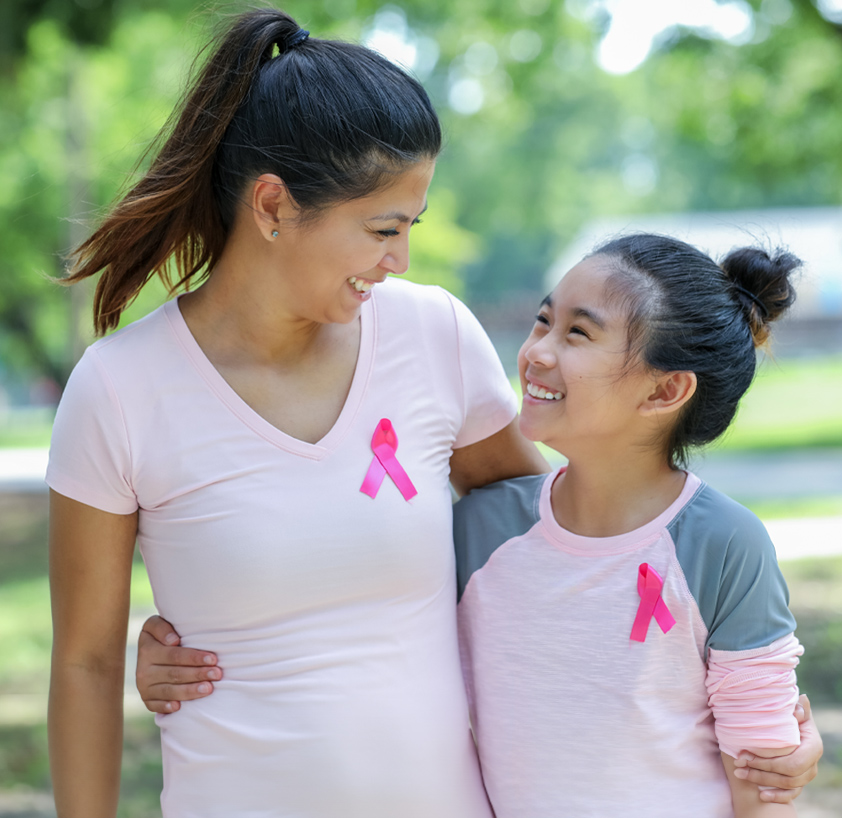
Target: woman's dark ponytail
column 331, row 119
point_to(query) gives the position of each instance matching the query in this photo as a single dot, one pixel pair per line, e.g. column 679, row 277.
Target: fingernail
column 168, row 706
column 203, row 688
column 208, row 660
column 213, row 674
column 171, row 639
column 741, row 772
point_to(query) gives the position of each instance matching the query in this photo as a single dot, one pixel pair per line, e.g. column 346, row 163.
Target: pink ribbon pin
column 649, row 585
column 384, row 444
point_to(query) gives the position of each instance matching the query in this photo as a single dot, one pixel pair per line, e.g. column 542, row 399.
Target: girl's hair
column 686, row 313
column 333, row 120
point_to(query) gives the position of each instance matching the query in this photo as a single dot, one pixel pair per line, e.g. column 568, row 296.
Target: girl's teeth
column 541, row 392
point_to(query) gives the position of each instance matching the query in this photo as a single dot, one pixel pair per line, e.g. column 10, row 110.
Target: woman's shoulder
column 137, row 332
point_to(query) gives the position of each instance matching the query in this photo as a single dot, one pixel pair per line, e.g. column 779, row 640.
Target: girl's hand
column 168, row 674
column 788, row 774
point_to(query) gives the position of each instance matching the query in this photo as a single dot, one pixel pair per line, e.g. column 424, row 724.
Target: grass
column 792, row 404
column 25, row 429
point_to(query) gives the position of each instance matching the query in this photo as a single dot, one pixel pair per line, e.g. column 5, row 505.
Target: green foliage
column 815, row 591
column 85, row 87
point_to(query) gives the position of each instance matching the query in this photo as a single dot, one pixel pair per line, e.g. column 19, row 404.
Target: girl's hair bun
column 762, row 285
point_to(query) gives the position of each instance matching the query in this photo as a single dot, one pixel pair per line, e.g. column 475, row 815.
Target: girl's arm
column 786, row 775
column 168, row 674
column 746, row 796
column 90, row 575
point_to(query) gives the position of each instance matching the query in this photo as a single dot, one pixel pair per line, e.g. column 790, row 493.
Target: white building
column 814, row 234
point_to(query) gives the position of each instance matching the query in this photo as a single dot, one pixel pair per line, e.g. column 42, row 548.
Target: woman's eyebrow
column 397, row 216
column 547, row 302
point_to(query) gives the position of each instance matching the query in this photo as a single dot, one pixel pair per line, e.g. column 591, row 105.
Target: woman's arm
column 90, row 577
column 785, row 774
column 505, row 454
column 168, row 674
column 746, row 796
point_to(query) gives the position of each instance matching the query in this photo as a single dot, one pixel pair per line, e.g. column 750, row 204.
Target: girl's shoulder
column 490, row 516
column 731, row 569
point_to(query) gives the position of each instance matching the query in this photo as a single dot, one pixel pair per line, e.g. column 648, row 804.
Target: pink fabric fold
column 752, row 694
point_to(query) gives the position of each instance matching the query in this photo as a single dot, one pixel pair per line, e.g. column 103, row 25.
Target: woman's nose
column 396, row 260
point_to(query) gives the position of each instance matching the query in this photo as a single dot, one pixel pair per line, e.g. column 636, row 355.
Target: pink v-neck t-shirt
column 332, row 612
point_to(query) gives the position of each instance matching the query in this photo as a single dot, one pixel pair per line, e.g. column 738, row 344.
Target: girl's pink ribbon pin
column 384, row 444
column 649, row 585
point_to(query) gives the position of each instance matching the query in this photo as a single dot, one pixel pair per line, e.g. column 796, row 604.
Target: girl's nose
column 540, row 353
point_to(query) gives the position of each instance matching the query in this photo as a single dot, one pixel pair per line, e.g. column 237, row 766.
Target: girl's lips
column 537, row 391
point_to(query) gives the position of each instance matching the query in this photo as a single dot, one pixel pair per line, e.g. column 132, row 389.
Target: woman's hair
column 333, row 120
column 686, row 313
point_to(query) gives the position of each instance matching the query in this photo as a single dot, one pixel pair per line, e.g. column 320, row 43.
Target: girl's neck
column 614, row 496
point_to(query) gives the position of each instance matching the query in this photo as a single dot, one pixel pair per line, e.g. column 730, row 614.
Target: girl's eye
column 578, row 331
column 542, row 319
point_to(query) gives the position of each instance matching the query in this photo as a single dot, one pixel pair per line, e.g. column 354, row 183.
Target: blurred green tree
column 539, row 138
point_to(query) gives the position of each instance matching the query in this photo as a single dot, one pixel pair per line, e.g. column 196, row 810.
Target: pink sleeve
column 488, row 401
column 753, row 695
column 89, row 454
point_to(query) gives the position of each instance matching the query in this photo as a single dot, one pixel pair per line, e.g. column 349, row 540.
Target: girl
column 620, row 615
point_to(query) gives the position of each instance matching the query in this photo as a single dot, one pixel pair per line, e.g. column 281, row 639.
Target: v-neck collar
column 256, row 422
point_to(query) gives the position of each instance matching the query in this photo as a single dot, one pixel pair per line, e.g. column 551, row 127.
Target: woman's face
column 579, row 388
column 329, row 266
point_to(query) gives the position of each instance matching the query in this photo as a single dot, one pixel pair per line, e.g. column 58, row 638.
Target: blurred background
column 566, row 121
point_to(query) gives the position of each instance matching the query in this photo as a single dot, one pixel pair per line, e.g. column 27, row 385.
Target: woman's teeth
column 540, row 392
column 359, row 285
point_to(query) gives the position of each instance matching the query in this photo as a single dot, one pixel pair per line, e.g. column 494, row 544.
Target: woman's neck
column 616, row 495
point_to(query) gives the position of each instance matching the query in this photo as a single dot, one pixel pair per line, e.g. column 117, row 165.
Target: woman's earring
column 274, row 234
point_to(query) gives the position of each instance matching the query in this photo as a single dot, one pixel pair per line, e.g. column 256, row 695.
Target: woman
column 279, row 440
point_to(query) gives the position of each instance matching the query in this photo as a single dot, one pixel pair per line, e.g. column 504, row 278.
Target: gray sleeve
column 732, row 571
column 486, row 518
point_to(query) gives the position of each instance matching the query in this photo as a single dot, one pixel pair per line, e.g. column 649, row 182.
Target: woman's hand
column 168, row 674
column 787, row 774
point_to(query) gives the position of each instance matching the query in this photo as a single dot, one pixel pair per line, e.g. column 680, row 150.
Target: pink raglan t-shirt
column 333, row 613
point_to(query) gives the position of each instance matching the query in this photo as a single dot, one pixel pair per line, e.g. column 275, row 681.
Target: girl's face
column 581, row 394
column 329, row 267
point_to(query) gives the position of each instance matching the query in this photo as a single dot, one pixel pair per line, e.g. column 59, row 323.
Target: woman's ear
column 672, row 390
column 270, row 204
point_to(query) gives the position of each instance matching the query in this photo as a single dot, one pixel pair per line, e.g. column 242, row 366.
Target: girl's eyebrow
column 547, row 302
column 581, row 312
column 401, row 217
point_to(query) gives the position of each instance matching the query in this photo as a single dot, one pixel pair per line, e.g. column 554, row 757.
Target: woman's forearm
column 90, row 578
column 746, row 796
column 86, row 738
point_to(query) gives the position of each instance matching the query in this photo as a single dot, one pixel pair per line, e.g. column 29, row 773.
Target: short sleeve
column 89, row 453
column 732, row 572
column 488, row 401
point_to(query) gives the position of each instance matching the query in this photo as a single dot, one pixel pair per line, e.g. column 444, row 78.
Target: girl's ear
column 270, row 204
column 672, row 390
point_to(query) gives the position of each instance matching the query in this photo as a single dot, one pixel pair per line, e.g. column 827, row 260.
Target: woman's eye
column 542, row 319
column 578, row 331
column 388, row 233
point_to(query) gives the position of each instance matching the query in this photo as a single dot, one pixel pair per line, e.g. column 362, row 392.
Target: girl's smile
column 574, row 368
